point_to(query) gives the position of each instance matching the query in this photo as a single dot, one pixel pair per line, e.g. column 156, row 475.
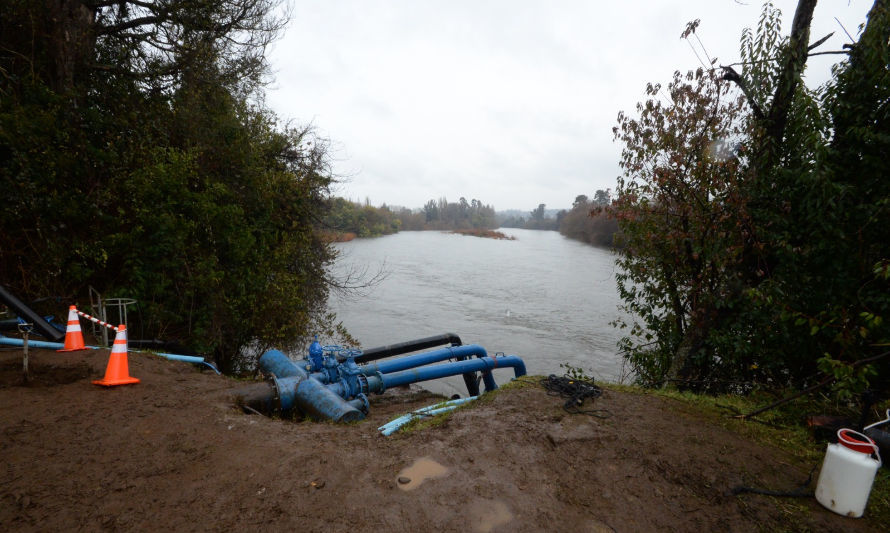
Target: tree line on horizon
column 361, row 219
column 587, row 221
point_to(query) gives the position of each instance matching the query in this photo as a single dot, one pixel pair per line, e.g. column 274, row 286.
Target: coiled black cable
column 576, row 391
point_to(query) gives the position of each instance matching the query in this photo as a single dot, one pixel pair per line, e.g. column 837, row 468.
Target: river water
column 543, row 297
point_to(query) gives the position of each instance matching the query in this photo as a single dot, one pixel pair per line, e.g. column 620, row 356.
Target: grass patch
column 783, row 427
column 440, row 419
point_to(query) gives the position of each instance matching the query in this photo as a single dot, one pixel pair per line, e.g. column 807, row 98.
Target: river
column 543, row 297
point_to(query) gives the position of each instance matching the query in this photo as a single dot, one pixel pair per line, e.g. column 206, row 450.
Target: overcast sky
column 509, row 102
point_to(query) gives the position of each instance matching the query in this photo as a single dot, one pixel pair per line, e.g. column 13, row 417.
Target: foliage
column 445, row 215
column 147, row 169
column 676, row 208
column 783, row 428
column 538, row 219
column 575, row 372
column 763, row 260
column 365, row 220
column 589, row 221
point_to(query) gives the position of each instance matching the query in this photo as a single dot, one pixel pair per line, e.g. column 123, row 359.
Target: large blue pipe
column 295, row 389
column 454, row 368
column 314, row 399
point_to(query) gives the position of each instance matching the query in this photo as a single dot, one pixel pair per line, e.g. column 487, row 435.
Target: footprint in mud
column 422, row 469
column 486, row 515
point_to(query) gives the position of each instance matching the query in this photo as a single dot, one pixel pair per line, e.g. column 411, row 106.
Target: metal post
column 99, row 308
column 25, row 329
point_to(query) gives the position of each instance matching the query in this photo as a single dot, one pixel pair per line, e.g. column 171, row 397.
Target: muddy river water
column 543, row 297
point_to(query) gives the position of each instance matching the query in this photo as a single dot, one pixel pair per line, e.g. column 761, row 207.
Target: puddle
column 422, row 470
column 489, row 514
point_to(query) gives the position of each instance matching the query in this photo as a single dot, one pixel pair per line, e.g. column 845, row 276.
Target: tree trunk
column 70, row 42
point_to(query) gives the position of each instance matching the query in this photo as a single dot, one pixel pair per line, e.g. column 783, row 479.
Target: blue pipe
column 399, row 422
column 435, row 356
column 421, row 359
column 189, row 359
column 324, row 396
column 295, row 389
column 415, row 375
column 8, row 341
column 282, row 366
column 426, row 411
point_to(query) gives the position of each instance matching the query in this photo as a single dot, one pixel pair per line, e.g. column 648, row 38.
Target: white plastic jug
column 847, row 474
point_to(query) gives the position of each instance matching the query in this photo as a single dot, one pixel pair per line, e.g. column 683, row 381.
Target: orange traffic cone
column 118, row 371
column 73, row 336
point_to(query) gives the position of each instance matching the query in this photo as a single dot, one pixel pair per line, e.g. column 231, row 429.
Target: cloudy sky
column 509, row 102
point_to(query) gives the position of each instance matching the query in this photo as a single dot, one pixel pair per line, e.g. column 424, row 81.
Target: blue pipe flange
column 365, row 404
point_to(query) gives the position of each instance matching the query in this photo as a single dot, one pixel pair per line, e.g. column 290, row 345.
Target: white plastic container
column 847, row 474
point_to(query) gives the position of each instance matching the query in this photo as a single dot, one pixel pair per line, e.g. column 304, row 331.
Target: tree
column 581, row 201
column 134, row 158
column 589, row 223
column 154, row 43
column 755, row 234
column 431, row 211
column 602, row 197
column 675, row 206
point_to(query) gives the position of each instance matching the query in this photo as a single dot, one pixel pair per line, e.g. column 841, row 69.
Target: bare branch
column 831, row 52
column 820, row 41
column 135, row 23
column 730, row 74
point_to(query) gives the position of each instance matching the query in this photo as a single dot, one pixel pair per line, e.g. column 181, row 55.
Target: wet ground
column 172, row 453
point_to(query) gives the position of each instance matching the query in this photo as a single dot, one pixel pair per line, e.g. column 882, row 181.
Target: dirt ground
column 172, row 453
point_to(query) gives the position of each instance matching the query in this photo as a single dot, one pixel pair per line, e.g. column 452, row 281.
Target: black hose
column 576, row 391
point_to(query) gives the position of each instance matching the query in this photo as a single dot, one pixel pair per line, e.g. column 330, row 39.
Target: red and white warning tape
column 96, row 320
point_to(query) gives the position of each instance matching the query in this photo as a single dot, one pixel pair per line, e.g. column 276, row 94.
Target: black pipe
column 22, row 310
column 373, row 354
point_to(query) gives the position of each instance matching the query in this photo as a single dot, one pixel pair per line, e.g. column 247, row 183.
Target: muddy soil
column 172, row 453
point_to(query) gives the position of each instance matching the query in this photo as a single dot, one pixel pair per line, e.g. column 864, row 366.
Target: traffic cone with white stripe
column 73, row 335
column 118, row 370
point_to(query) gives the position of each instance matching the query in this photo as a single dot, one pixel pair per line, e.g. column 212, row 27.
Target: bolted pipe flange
column 363, row 386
